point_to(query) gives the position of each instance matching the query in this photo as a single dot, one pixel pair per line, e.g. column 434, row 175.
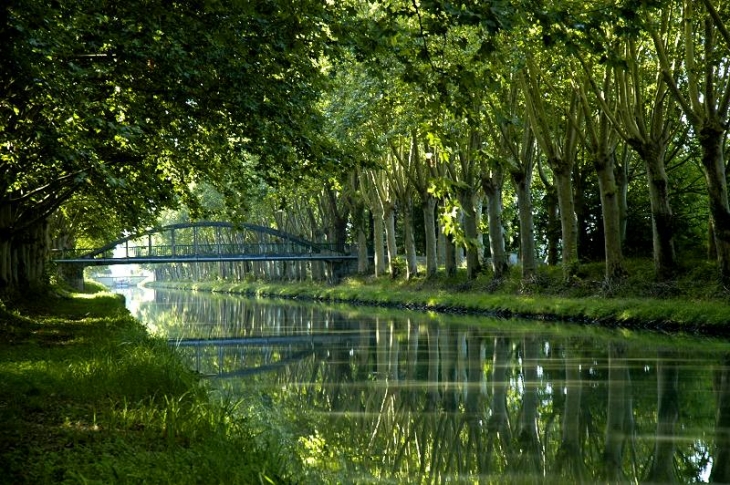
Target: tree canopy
column 124, row 108
column 544, row 129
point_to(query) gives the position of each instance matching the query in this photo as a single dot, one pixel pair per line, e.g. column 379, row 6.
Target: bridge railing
column 201, row 249
column 78, row 253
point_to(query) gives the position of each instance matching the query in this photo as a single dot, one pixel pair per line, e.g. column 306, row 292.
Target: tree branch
column 718, row 21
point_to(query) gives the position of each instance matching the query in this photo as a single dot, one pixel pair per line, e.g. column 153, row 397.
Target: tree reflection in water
column 412, row 398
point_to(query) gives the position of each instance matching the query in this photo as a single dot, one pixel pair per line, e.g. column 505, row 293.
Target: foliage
column 325, row 114
column 121, row 110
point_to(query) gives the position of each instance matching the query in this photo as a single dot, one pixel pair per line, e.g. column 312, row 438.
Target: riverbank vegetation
column 86, row 396
column 694, row 303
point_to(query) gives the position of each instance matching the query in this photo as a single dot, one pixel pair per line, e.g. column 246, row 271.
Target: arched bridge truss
column 206, row 242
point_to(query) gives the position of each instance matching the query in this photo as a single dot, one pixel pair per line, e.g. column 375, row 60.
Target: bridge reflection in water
column 407, row 398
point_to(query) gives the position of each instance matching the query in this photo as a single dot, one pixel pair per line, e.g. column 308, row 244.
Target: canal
column 362, row 395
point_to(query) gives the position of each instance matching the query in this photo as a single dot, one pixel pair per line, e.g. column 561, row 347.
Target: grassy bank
column 695, row 303
column 86, row 396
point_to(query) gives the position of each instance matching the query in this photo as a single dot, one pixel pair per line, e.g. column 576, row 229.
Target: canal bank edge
column 710, row 318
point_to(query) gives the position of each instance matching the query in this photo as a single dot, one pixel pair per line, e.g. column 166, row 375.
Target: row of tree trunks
column 239, row 271
column 703, row 99
column 23, row 254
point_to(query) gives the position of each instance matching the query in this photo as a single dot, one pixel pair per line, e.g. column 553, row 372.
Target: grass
column 694, row 302
column 86, row 396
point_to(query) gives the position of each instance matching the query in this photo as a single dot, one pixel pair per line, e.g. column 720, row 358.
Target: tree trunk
column 360, row 221
column 389, row 222
column 522, row 182
column 429, row 222
column 409, row 241
column 568, row 220
column 711, row 139
column 378, row 244
column 492, row 187
column 340, row 231
column 665, row 260
column 449, row 255
column 604, row 165
column 622, row 192
column 441, row 243
column 550, row 201
column 29, row 252
column 466, row 199
column 363, row 259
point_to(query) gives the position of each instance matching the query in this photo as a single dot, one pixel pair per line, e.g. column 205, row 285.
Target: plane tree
column 700, row 84
column 464, row 182
column 643, row 113
column 552, row 108
column 600, row 140
column 405, row 158
column 515, row 147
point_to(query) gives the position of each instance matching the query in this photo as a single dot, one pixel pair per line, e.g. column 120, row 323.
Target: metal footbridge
column 206, row 242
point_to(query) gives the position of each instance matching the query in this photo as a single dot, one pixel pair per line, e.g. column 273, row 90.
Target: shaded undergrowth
column 86, row 396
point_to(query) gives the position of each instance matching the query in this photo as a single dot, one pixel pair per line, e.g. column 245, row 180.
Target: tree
column 644, row 115
column 600, row 139
column 515, row 142
column 130, row 104
column 554, row 119
column 492, row 180
column 700, row 85
column 401, row 176
column 424, row 174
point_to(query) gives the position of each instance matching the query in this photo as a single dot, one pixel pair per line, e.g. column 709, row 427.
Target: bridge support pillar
column 73, row 275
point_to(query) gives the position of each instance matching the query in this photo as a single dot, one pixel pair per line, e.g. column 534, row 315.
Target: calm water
column 366, row 396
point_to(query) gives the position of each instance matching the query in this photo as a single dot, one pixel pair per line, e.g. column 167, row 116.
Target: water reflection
column 411, row 398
